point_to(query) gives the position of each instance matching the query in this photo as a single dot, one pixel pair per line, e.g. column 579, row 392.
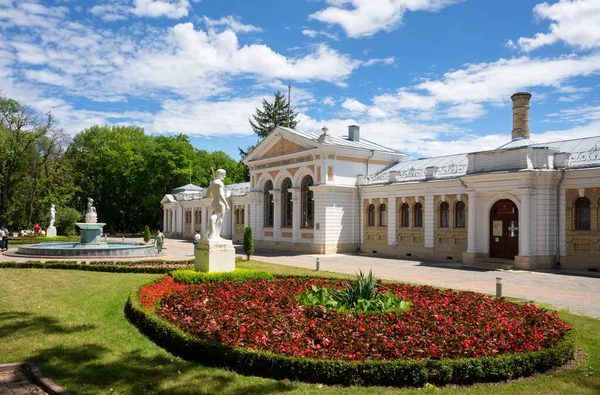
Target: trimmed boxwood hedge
column 369, row 373
column 16, row 241
column 190, row 276
column 72, row 265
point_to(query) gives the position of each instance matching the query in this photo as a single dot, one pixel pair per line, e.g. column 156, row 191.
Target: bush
column 14, row 241
column 73, row 265
column 147, row 234
column 66, row 218
column 248, row 242
column 193, row 277
column 379, row 373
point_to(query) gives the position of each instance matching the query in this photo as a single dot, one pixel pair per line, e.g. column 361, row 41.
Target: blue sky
column 426, row 77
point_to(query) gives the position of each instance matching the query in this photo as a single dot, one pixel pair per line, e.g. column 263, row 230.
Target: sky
column 425, row 77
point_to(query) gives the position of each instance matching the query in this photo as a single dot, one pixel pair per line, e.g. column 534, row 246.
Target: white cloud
column 465, row 111
column 580, row 114
column 48, row 77
column 575, row 22
column 374, row 61
column 310, row 33
column 354, row 105
column 114, row 11
column 364, row 18
column 405, row 100
column 329, row 101
column 232, row 23
column 495, row 82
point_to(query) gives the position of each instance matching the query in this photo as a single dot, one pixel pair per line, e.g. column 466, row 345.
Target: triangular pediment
column 280, row 142
column 168, row 198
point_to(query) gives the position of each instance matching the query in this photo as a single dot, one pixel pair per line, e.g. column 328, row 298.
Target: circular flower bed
column 265, row 315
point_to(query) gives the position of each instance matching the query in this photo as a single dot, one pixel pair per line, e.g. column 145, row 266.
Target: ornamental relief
column 584, row 243
column 282, row 147
column 376, row 236
column 413, row 237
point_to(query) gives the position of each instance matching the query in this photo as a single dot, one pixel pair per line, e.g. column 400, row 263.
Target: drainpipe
column 360, row 227
column 562, row 177
column 372, row 154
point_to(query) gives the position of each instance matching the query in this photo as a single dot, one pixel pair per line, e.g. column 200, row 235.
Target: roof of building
column 343, row 141
column 187, row 188
column 584, row 152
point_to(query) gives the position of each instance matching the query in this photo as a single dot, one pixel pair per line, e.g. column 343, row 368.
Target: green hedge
column 72, row 265
column 371, row 373
column 15, row 241
column 189, row 276
column 146, row 261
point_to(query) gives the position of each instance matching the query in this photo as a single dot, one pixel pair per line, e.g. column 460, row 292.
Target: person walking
column 5, row 238
column 196, row 240
column 159, row 240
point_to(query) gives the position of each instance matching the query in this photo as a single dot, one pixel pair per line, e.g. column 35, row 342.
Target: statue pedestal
column 90, row 233
column 51, row 232
column 215, row 256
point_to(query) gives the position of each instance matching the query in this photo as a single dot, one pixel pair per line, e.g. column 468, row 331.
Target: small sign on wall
column 497, row 228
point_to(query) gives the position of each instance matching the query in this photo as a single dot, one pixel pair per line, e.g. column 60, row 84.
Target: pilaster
column 429, row 221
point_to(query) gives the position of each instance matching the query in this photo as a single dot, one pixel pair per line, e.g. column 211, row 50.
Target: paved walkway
column 576, row 291
column 15, row 382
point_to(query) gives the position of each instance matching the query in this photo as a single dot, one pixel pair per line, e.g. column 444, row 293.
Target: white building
column 531, row 205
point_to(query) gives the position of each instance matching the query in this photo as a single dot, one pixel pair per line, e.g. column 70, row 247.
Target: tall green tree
column 277, row 113
column 31, row 175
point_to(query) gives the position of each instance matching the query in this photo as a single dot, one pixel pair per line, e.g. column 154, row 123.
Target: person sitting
column 36, row 230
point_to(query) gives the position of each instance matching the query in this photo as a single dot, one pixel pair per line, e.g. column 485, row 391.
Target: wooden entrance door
column 504, row 230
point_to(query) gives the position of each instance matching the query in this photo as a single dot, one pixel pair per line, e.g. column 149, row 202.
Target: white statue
column 52, row 216
column 90, row 215
column 216, row 190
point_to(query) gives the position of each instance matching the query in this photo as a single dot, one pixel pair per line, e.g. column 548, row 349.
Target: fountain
column 90, row 244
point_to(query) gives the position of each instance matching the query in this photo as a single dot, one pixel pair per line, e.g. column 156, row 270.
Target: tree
column 147, row 234
column 248, row 242
column 31, row 146
column 66, row 217
column 278, row 113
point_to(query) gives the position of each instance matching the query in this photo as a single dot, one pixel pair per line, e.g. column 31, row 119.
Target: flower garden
column 259, row 325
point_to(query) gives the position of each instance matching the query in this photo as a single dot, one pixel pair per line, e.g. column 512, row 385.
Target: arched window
column 418, row 215
column 582, row 214
column 459, row 215
column 404, row 215
column 382, row 215
column 444, row 215
column 268, row 204
column 308, row 205
column 286, row 204
column 371, row 217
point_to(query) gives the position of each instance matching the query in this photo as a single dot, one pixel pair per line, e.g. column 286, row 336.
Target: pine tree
column 147, row 235
column 278, row 113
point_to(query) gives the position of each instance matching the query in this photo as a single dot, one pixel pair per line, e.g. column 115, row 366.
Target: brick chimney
column 520, row 115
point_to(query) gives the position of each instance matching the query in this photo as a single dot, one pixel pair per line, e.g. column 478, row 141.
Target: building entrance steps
column 490, row 264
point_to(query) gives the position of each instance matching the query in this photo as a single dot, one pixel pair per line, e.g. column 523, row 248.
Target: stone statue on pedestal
column 51, row 231
column 52, row 216
column 216, row 190
column 90, row 215
column 213, row 253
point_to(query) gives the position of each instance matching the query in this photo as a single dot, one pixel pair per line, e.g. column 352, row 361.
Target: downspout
column 562, row 177
column 372, row 154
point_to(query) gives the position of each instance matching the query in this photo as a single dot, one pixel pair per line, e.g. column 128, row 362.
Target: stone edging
column 32, row 371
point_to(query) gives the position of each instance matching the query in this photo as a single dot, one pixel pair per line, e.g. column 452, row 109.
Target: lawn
column 72, row 324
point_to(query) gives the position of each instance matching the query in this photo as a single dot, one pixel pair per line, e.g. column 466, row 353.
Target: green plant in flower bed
column 14, row 241
column 194, row 277
column 359, row 296
column 158, row 267
column 258, row 327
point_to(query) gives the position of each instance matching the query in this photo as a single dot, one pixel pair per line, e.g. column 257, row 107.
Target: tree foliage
column 124, row 170
column 248, row 242
column 277, row 113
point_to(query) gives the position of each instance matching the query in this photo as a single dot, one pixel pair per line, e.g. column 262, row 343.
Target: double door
column 504, row 230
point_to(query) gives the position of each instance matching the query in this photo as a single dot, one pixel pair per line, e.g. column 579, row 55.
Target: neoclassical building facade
column 526, row 204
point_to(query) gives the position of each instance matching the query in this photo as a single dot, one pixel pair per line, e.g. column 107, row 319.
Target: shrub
column 194, row 277
column 147, row 234
column 248, row 242
column 66, row 218
column 379, row 373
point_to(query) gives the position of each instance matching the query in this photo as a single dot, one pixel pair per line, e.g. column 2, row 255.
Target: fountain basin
column 85, row 250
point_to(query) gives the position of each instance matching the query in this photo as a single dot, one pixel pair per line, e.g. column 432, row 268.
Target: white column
column 391, row 220
column 164, row 227
column 276, row 214
column 472, row 222
column 525, row 224
column 193, row 224
column 429, row 221
column 296, row 221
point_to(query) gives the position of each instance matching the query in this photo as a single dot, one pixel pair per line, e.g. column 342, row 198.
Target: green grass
column 72, row 324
